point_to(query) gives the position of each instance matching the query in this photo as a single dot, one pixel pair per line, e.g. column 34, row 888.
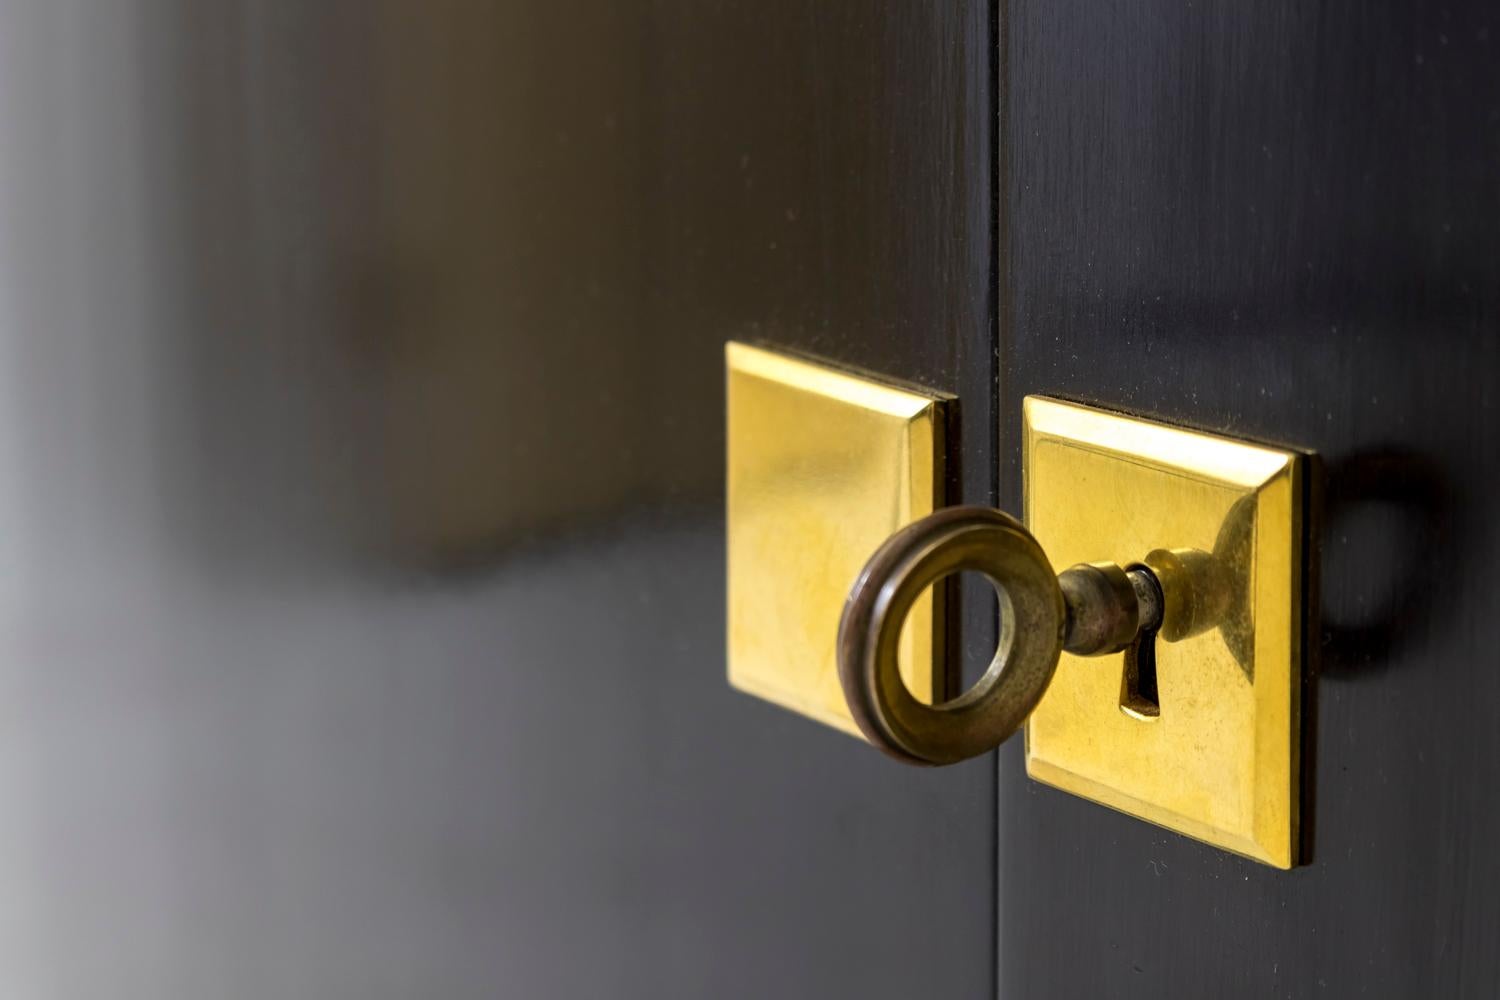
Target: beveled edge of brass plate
column 1229, row 461
column 928, row 414
column 836, row 381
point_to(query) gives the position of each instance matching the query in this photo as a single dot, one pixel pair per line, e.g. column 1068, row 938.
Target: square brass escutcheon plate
column 1217, row 753
column 823, row 465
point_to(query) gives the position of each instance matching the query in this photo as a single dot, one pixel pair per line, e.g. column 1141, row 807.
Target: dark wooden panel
column 303, row 304
column 1279, row 220
column 815, row 174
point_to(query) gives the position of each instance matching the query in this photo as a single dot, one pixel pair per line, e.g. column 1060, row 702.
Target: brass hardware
column 1188, row 713
column 1160, row 674
column 1221, row 524
column 823, row 465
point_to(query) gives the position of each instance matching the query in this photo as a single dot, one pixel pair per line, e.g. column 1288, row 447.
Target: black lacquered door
column 361, row 484
column 1277, row 221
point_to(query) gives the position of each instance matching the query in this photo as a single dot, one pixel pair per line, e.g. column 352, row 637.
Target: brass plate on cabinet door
column 1219, row 759
column 823, row 465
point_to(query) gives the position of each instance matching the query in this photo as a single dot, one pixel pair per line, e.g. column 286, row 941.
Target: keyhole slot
column 1138, row 695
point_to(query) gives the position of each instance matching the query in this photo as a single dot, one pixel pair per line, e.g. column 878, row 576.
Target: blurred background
column 360, row 458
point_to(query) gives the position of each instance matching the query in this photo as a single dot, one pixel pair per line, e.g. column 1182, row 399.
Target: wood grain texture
column 1278, row 220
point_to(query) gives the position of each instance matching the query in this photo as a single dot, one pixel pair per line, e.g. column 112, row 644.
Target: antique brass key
column 1088, row 610
column 1091, row 609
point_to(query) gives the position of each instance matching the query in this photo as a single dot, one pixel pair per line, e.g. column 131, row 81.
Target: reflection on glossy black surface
column 305, row 307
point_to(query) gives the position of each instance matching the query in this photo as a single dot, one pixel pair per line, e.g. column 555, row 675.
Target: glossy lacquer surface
column 361, row 457
column 1278, row 220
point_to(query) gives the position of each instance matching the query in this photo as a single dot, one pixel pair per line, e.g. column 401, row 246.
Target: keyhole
column 1138, row 698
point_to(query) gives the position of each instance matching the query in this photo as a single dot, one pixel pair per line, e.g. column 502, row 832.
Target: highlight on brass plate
column 1209, row 744
column 823, row 465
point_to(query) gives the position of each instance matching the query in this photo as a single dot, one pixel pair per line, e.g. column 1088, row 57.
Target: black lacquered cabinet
column 361, row 483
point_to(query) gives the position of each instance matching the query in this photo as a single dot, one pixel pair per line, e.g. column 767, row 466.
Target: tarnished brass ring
column 950, row 541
